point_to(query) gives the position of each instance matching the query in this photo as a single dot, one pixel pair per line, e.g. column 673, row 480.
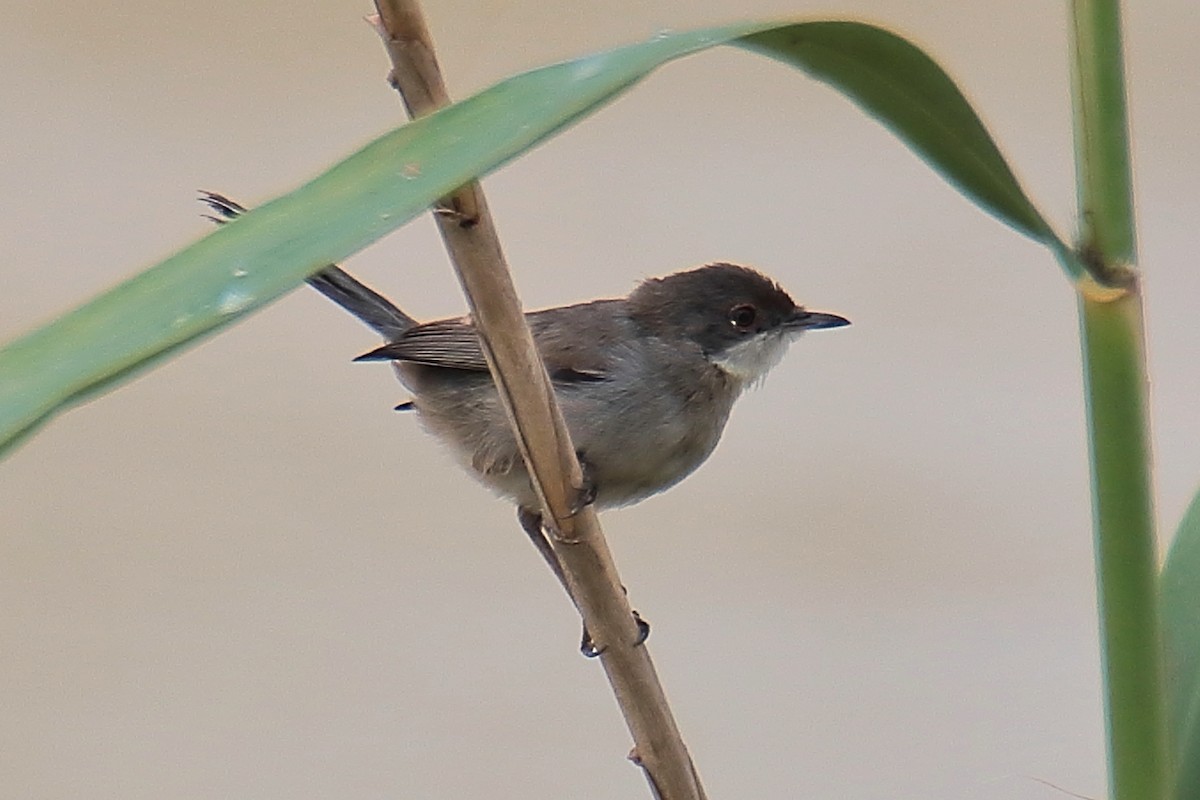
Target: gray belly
column 633, row 446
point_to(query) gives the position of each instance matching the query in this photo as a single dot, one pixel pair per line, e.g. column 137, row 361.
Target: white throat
column 749, row 362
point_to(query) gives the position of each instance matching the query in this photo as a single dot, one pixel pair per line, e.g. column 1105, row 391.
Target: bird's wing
column 454, row 344
column 447, row 343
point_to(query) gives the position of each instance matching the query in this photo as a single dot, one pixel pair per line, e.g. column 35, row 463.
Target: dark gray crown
column 715, row 306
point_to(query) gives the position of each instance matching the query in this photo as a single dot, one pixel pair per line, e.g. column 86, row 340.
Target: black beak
column 805, row 320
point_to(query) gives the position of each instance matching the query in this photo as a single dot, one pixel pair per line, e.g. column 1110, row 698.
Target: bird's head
column 740, row 319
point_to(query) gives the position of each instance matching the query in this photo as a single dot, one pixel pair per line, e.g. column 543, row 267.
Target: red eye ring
column 743, row 316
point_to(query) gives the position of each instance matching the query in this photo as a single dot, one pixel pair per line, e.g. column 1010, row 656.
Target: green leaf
column 1181, row 631
column 273, row 248
column 896, row 82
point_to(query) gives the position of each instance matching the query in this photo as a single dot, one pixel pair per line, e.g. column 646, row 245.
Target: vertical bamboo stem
column 1113, row 339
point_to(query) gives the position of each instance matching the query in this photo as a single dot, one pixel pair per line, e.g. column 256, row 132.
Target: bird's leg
column 585, row 496
column 531, row 523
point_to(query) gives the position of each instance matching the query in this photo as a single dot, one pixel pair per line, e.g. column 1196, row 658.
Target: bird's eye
column 743, row 316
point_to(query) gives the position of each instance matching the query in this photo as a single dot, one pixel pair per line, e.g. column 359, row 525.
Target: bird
column 646, row 382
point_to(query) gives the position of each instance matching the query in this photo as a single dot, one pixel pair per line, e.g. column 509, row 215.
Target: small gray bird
column 646, row 382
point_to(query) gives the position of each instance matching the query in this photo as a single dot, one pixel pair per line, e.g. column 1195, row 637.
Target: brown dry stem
column 474, row 249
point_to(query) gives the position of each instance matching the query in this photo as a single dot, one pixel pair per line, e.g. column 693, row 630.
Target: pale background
column 245, row 577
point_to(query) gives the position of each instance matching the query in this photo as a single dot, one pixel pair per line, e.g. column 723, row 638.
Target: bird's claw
column 585, row 495
column 643, row 629
column 586, row 491
column 587, row 646
column 464, row 220
column 589, row 649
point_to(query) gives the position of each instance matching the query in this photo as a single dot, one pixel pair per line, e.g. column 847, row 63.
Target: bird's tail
column 362, row 301
column 370, row 307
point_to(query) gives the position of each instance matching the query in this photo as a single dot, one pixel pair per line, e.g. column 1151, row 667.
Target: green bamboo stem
column 1126, row 567
column 1113, row 338
column 1103, row 174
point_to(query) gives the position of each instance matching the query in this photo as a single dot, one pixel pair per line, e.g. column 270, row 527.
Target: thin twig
column 525, row 389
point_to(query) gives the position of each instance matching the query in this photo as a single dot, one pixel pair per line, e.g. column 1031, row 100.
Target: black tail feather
column 362, row 301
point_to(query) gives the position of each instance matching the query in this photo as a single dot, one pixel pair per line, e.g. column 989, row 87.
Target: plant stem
column 1103, row 175
column 577, row 540
column 1126, row 565
column 1113, row 337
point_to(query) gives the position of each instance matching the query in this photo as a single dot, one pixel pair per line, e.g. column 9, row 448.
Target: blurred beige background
column 244, row 576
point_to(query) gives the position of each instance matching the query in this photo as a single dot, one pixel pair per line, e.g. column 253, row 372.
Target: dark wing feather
column 447, row 343
column 453, row 343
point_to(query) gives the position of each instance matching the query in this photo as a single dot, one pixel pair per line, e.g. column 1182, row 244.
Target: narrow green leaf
column 273, row 248
column 1181, row 630
column 896, row 82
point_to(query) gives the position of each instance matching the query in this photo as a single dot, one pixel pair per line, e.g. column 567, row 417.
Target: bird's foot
column 589, row 649
column 586, row 491
column 463, row 219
